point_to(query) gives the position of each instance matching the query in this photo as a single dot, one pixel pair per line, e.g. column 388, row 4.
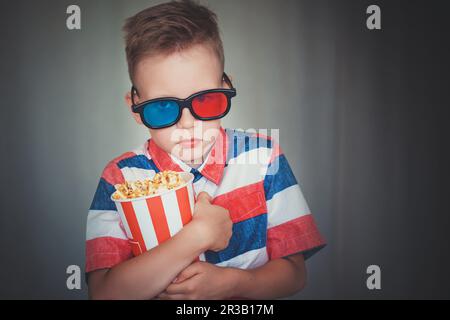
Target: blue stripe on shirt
column 239, row 142
column 138, row 161
column 279, row 177
column 197, row 174
column 102, row 198
column 247, row 235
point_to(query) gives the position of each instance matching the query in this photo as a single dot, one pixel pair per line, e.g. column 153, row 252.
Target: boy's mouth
column 190, row 143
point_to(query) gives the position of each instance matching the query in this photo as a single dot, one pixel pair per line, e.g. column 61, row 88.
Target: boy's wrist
column 194, row 230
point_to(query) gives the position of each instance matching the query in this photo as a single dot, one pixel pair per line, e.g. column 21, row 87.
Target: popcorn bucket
column 149, row 221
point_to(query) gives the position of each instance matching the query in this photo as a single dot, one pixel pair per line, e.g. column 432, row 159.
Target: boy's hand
column 212, row 223
column 200, row 281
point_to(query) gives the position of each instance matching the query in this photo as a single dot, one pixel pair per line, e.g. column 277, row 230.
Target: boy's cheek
column 164, row 138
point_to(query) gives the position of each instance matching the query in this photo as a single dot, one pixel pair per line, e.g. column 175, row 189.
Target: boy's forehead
column 178, row 74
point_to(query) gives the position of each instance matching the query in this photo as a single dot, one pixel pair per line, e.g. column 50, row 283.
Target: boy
column 250, row 218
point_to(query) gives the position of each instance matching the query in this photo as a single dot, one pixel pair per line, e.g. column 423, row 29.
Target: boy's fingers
column 166, row 296
column 177, row 288
column 187, row 273
column 204, row 197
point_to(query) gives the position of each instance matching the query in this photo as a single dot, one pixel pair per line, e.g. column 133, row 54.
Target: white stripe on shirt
column 286, row 205
column 247, row 260
column 103, row 223
column 133, row 174
column 246, row 169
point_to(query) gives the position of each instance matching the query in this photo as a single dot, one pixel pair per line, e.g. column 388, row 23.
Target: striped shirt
column 246, row 173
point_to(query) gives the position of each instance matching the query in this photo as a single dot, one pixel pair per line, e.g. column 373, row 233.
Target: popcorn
column 162, row 181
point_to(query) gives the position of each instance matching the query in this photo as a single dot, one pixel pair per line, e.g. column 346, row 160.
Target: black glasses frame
column 183, row 103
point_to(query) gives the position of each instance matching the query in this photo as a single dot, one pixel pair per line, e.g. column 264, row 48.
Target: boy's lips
column 190, row 143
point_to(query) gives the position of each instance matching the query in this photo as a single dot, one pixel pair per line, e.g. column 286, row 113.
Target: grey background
column 362, row 117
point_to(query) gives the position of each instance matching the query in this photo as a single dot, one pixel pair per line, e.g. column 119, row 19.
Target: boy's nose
column 187, row 120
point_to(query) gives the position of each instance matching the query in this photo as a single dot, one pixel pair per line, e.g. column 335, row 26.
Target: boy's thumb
column 204, row 197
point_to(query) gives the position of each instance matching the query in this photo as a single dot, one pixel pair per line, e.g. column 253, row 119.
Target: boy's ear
column 129, row 103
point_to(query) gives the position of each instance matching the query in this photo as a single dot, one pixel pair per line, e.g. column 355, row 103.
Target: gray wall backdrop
column 361, row 116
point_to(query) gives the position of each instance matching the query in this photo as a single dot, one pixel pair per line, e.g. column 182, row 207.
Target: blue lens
column 161, row 113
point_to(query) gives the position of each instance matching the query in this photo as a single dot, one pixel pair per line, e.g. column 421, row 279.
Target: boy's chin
column 195, row 163
column 191, row 156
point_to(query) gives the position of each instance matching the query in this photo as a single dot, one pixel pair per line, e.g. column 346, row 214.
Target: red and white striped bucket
column 151, row 220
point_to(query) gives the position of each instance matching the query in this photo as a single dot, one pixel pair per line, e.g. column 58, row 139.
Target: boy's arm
column 145, row 276
column 277, row 278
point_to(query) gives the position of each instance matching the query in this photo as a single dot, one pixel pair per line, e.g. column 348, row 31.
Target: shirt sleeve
column 290, row 225
column 106, row 241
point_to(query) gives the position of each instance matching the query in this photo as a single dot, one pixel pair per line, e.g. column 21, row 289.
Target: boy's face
column 180, row 75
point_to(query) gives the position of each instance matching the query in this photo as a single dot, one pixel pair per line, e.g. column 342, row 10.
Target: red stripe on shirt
column 106, row 252
column 276, row 149
column 294, row 236
column 161, row 158
column 243, row 203
column 112, row 173
column 213, row 169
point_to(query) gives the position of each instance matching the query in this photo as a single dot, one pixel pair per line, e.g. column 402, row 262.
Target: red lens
column 210, row 105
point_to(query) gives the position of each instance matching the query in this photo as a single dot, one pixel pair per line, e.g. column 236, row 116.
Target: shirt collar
column 212, row 168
